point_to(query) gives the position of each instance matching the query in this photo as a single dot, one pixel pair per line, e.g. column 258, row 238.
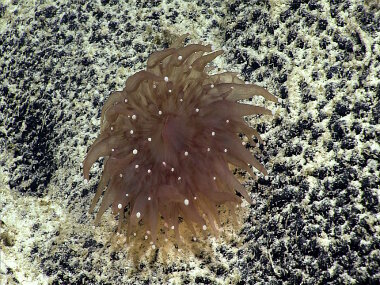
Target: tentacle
column 115, row 97
column 179, row 41
column 134, row 81
column 188, row 50
column 201, row 62
column 155, row 58
column 101, row 149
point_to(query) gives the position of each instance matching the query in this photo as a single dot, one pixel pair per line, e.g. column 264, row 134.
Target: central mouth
column 175, row 132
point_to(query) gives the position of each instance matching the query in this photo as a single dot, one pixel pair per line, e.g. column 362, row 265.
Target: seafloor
column 315, row 219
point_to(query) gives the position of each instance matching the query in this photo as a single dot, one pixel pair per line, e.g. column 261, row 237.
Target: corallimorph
column 168, row 139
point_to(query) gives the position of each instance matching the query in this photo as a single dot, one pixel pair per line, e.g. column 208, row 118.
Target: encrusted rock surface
column 316, row 217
